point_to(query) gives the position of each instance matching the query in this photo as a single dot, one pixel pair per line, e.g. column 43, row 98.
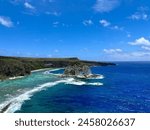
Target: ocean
column 124, row 88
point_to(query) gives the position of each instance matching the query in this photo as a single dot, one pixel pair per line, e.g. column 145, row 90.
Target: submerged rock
column 5, row 108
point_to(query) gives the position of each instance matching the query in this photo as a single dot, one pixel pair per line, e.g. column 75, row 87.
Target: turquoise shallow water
column 126, row 88
column 11, row 89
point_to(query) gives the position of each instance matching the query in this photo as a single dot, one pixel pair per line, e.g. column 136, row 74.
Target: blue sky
column 102, row 30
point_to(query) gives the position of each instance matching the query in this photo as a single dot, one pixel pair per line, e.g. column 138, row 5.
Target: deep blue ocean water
column 125, row 89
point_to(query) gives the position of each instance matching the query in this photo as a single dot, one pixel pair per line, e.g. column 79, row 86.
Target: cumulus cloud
column 111, row 51
column 29, row 6
column 104, row 23
column 105, row 5
column 87, row 22
column 146, row 48
column 141, row 41
column 6, row 21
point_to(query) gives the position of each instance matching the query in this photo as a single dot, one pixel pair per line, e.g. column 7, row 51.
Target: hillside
column 20, row 66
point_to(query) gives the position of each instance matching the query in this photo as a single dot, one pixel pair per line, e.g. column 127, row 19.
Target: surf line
column 15, row 104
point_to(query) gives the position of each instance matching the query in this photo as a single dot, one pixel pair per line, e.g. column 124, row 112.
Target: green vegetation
column 13, row 67
column 20, row 66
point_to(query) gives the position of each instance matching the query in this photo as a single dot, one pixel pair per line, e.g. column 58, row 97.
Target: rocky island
column 79, row 70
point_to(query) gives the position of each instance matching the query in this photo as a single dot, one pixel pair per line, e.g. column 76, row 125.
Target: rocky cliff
column 20, row 66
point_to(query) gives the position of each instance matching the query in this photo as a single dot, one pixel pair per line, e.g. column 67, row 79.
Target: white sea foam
column 38, row 70
column 16, row 102
column 98, row 77
column 18, row 77
column 95, row 84
column 80, row 83
column 55, row 69
column 46, row 72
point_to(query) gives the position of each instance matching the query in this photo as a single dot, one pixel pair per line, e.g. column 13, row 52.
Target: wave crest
column 15, row 103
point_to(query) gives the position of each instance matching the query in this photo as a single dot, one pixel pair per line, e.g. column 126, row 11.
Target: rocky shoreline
column 79, row 71
column 22, row 66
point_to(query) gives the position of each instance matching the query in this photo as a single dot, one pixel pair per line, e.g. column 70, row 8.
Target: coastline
column 17, row 77
column 14, row 67
column 37, row 70
column 7, row 106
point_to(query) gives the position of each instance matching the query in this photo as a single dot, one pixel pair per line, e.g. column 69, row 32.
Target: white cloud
column 87, row 22
column 126, row 56
column 117, row 28
column 104, row 23
column 105, row 5
column 141, row 41
column 141, row 14
column 146, row 48
column 29, row 6
column 6, row 21
column 140, row 54
column 53, row 13
column 55, row 24
column 111, row 51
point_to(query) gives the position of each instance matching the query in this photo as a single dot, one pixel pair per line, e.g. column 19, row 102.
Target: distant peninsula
column 21, row 66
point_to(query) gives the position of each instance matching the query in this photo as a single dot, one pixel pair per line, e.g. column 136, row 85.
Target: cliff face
column 17, row 66
column 76, row 70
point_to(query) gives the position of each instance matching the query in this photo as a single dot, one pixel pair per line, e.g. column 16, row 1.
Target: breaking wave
column 15, row 103
column 18, row 77
column 80, row 83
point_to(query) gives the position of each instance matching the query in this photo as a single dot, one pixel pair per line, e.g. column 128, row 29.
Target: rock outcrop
column 21, row 66
column 79, row 71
